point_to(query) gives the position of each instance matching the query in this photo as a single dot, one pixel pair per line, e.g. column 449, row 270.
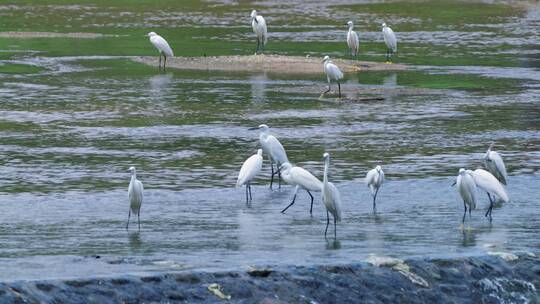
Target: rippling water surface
column 71, row 126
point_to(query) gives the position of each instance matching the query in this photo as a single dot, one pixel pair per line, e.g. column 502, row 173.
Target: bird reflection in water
column 135, row 240
column 333, row 244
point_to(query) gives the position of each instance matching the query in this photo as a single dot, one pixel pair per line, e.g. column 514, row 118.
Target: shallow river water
column 72, row 126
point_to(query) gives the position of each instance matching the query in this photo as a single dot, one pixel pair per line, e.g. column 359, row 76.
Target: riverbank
column 268, row 63
column 495, row 278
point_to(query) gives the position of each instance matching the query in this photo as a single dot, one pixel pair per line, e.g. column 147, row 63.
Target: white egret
column 163, row 47
column 466, row 187
column 259, row 28
column 489, row 183
column 250, row 168
column 390, row 41
column 352, row 40
column 135, row 194
column 273, row 148
column 330, row 197
column 332, row 73
column 374, row 180
column 494, row 164
column 300, row 178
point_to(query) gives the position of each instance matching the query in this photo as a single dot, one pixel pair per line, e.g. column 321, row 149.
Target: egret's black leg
column 464, row 212
column 258, row 43
column 272, row 178
column 247, row 195
column 327, row 223
column 250, row 196
column 374, row 199
column 262, row 44
column 164, row 62
column 328, row 89
column 159, row 65
column 139, row 219
column 311, row 208
column 335, row 228
column 292, row 203
column 488, row 212
column 339, row 89
column 279, row 177
column 129, row 215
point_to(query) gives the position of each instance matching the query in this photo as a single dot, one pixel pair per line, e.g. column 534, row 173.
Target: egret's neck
column 325, row 175
column 263, row 135
column 133, row 176
column 351, row 28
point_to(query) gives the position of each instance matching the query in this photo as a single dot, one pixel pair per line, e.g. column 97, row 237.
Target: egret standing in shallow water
column 390, row 41
column 466, row 187
column 374, row 180
column 273, row 148
column 135, row 194
column 300, row 178
column 330, row 197
column 250, row 168
column 332, row 73
column 489, row 183
column 259, row 28
column 352, row 40
column 494, row 164
column 163, row 47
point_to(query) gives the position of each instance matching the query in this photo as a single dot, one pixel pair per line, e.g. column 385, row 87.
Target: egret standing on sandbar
column 330, row 197
column 259, row 28
column 352, row 40
column 135, row 194
column 374, row 180
column 466, row 187
column 494, row 164
column 163, row 47
column 332, row 73
column 250, row 168
column 275, row 151
column 489, row 183
column 300, row 178
column 390, row 41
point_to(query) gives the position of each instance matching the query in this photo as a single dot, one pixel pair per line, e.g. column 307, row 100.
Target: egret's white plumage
column 300, row 178
column 466, row 187
column 489, row 183
column 162, row 46
column 374, row 180
column 352, row 39
column 135, row 195
column 332, row 73
column 250, row 168
column 330, row 197
column 273, row 148
column 259, row 28
column 494, row 164
column 390, row 40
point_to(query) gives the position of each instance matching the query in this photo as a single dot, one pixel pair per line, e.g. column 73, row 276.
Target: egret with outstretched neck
column 495, row 164
column 489, row 183
column 374, row 180
column 135, row 195
column 352, row 40
column 332, row 73
column 274, row 149
column 390, row 41
column 250, row 168
column 300, row 178
column 330, row 197
column 259, row 28
column 466, row 187
column 162, row 46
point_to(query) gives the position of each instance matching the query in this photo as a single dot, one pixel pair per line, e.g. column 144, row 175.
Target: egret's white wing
column 135, row 194
column 305, row 179
column 276, row 150
column 390, row 39
column 371, row 177
column 353, row 42
column 489, row 183
column 251, row 167
column 467, row 189
column 259, row 28
column 162, row 45
column 332, row 200
column 332, row 71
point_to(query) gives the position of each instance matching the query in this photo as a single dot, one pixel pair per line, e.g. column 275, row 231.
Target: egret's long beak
column 255, row 19
column 254, row 128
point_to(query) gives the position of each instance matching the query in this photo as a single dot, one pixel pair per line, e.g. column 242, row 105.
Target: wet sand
column 268, row 63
